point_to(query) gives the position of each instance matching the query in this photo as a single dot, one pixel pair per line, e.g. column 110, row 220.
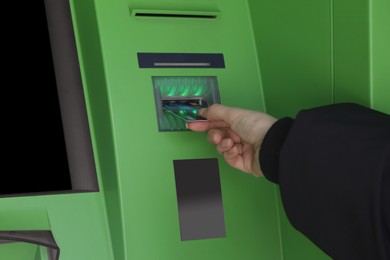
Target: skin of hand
column 237, row 134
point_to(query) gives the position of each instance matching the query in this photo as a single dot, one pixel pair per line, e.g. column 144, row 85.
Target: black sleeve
column 333, row 167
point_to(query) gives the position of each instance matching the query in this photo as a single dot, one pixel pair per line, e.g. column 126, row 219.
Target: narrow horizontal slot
column 181, row 60
column 182, row 64
column 175, row 15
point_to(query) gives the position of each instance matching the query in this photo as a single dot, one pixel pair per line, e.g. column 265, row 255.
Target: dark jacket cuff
column 271, row 146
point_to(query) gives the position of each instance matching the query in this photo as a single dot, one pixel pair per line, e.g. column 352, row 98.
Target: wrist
column 271, row 146
column 256, row 169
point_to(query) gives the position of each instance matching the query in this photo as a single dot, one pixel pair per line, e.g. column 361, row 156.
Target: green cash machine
column 100, row 165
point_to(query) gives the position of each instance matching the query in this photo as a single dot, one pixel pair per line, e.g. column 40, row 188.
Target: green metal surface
column 280, row 57
column 351, row 51
column 19, row 251
column 294, row 50
column 316, row 53
column 380, row 54
column 144, row 155
column 294, row 45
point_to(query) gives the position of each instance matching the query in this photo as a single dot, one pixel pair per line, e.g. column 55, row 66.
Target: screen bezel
column 71, row 96
column 73, row 111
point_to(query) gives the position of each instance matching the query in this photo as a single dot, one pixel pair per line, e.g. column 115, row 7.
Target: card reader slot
column 184, row 108
column 179, row 98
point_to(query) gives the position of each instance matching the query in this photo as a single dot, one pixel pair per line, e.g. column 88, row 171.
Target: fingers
column 235, row 158
column 225, row 145
column 218, row 116
column 231, row 156
column 217, row 112
column 236, row 133
column 215, row 136
column 204, row 126
column 220, row 139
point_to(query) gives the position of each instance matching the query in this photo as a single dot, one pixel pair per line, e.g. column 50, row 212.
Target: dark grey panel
column 199, row 199
column 71, row 96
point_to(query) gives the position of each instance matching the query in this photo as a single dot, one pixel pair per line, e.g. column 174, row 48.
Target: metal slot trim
column 182, row 64
column 165, row 98
column 175, row 15
column 180, row 60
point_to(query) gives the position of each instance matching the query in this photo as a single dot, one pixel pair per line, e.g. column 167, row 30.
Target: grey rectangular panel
column 199, row 199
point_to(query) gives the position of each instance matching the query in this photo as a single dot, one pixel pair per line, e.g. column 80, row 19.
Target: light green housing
column 281, row 56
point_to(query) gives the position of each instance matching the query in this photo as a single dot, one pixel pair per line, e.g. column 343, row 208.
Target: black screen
column 34, row 151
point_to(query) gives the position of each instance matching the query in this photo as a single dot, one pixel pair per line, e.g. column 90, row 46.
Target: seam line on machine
column 278, row 216
column 332, row 52
column 254, row 42
column 370, row 53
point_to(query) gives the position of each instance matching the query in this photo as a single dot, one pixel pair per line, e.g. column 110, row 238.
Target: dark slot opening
column 184, row 108
column 199, row 16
